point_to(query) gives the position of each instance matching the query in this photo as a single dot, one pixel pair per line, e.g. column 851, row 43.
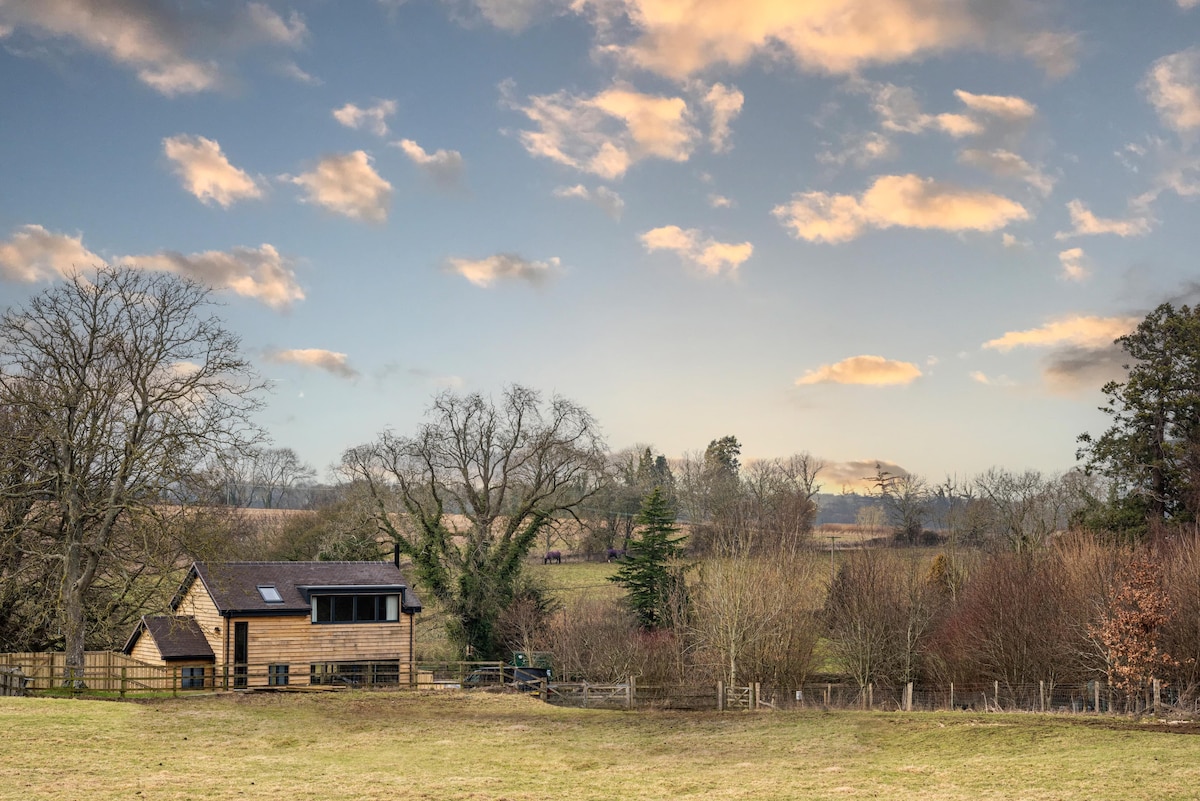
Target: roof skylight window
column 270, row 594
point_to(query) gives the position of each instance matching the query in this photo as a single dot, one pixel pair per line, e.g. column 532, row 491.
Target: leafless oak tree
column 506, row 468
column 123, row 382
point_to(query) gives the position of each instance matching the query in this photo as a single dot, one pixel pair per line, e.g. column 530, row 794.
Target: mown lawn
column 455, row 745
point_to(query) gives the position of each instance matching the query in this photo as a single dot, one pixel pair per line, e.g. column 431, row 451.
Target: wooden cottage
column 256, row 624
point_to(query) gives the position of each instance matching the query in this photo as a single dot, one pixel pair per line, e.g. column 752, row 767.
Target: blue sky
column 893, row 230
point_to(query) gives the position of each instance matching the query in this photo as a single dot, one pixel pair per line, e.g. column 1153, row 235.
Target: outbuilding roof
column 176, row 637
column 246, row 587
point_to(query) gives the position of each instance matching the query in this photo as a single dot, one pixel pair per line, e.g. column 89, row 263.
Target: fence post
column 630, row 689
column 996, row 696
column 870, row 695
column 828, row 694
column 175, row 680
column 755, row 694
column 720, row 696
column 1157, row 694
column 908, row 697
column 1096, row 696
column 585, row 695
column 1042, row 696
column 124, row 674
column 952, row 696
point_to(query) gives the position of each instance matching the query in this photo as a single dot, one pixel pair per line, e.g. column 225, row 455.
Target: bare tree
column 278, row 473
column 124, row 383
column 754, row 616
column 906, row 498
column 506, row 468
column 1027, row 507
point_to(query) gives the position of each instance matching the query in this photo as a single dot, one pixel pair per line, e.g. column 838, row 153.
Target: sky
column 904, row 231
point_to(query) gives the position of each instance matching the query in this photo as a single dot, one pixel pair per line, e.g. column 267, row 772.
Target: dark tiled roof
column 234, row 585
column 176, row 637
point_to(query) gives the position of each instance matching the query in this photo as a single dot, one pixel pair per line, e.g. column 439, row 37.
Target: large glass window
column 355, row 608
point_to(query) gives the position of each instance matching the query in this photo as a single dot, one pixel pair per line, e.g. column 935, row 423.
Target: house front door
column 241, row 637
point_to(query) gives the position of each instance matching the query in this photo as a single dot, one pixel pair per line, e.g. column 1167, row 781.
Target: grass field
column 450, row 746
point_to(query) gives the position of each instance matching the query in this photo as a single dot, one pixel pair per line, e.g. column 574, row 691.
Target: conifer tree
column 650, row 573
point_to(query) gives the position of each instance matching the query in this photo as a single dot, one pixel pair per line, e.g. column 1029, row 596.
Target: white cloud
column 899, row 110
column 445, row 167
column 907, row 201
column 293, row 70
column 1010, row 241
column 678, row 39
column 206, row 172
column 1074, row 264
column 608, row 200
column 724, row 103
column 1006, row 164
column 347, row 184
column 1077, row 331
column 1173, row 87
column 1055, row 52
column 704, row 252
column 1085, row 223
column 860, row 150
column 372, row 118
column 36, row 254
column 1185, row 4
column 174, row 48
column 1005, row 107
column 259, row 273
column 337, row 364
column 514, row 15
column 719, row 201
column 606, row 134
column 503, row 267
column 865, row 370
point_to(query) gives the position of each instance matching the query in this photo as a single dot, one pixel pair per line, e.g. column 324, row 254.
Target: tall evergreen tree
column 1152, row 450
column 650, row 574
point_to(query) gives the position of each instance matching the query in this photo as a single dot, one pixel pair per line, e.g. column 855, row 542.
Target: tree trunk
column 74, row 624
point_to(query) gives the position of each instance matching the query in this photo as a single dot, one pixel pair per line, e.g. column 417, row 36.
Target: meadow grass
column 457, row 745
column 573, row 580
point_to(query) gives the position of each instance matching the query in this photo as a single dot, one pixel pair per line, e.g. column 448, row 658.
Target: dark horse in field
column 552, row 556
column 615, row 554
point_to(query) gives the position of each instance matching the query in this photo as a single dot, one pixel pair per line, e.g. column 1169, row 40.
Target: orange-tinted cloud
column 1173, row 87
column 347, row 184
column 907, row 201
column 708, row 254
column 330, row 361
column 868, row 370
column 503, row 267
column 1085, row 223
column 1079, row 331
column 206, row 173
column 607, row 133
column 680, row 38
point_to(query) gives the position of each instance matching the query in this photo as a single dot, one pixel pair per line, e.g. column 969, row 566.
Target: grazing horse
column 614, row 554
column 552, row 556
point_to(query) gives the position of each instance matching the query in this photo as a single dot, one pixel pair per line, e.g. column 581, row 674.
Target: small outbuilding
column 274, row 624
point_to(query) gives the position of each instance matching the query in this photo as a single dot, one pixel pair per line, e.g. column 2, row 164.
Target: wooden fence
column 12, row 681
column 102, row 670
column 106, row 671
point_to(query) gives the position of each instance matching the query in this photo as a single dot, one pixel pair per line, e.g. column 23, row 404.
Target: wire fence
column 105, row 671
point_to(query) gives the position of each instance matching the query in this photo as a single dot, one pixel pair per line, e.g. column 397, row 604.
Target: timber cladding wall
column 199, row 604
column 297, row 642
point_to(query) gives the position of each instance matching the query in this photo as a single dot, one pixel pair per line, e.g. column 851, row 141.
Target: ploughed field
column 481, row 745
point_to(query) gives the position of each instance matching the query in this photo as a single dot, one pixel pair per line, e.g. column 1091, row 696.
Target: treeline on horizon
column 129, row 448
